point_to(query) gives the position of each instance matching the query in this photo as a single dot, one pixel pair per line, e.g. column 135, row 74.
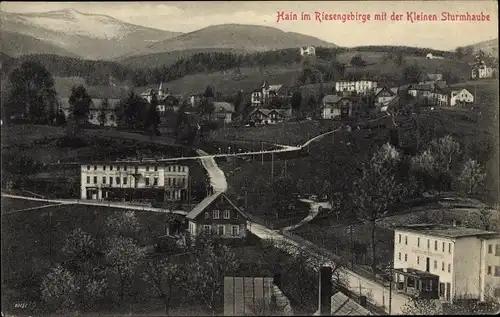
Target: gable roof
column 426, row 87
column 341, row 305
column 224, row 107
column 379, row 90
column 434, row 77
column 96, row 104
column 246, row 296
column 331, row 99
column 275, row 87
column 148, row 92
column 198, row 209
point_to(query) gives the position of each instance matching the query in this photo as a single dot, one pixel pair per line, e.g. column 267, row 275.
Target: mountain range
column 73, row 33
column 91, row 36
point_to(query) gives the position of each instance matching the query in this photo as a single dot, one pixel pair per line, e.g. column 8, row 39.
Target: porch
column 416, row 283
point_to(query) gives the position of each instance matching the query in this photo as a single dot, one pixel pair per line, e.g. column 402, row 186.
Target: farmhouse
column 268, row 93
column 438, row 261
column 126, row 181
column 336, row 106
column 384, row 95
column 461, row 97
column 223, row 111
column 217, row 216
column 307, row 51
column 430, row 56
column 430, row 94
column 268, row 116
column 98, row 115
column 482, row 71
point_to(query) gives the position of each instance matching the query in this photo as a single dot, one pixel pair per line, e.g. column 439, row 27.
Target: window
column 88, row 179
column 497, row 250
column 207, row 215
column 173, row 181
column 449, row 247
column 435, row 264
column 443, row 246
column 497, row 270
column 448, row 291
column 95, row 167
column 147, row 168
column 118, row 181
column 441, row 289
column 221, row 230
column 428, row 243
column 156, row 168
column 399, row 238
column 406, row 257
column 399, row 256
column 118, row 168
column 418, row 242
column 88, row 167
column 216, row 214
column 442, row 266
column 155, row 181
column 449, row 268
column 111, row 167
column 435, row 245
column 146, row 181
column 104, row 167
column 104, row 179
column 489, row 270
column 125, row 168
column 490, row 248
column 136, row 169
column 418, row 260
column 95, row 179
column 227, row 214
column 235, row 230
column 124, row 181
column 110, row 180
column 406, row 240
column 169, row 181
column 206, row 229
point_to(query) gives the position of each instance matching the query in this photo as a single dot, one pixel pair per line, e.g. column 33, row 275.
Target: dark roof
column 434, row 76
column 420, row 87
column 331, row 99
column 448, row 231
column 415, row 272
column 341, row 305
column 198, row 209
column 246, row 296
column 266, row 112
column 96, row 103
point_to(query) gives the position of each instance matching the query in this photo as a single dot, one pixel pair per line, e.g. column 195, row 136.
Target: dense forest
column 99, row 72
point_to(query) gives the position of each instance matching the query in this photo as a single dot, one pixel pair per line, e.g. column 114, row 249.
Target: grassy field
column 285, row 133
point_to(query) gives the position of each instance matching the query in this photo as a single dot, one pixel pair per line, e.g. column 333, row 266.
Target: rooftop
column 414, row 272
column 344, row 306
column 446, row 231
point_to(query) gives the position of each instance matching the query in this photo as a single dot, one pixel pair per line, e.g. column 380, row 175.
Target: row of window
column 497, row 249
column 221, row 230
column 435, row 263
column 216, row 214
column 436, row 244
column 173, row 168
column 147, row 181
column 490, row 270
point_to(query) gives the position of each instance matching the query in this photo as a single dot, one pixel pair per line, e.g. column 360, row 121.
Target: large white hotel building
column 130, row 181
column 447, row 262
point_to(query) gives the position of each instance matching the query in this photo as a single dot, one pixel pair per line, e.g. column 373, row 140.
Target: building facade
column 125, row 181
column 482, row 71
column 360, row 86
column 461, row 97
column 218, row 217
column 266, row 93
column 307, row 51
column 465, row 260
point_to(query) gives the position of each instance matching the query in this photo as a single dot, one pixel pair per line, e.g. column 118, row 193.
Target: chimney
column 362, row 301
column 325, row 291
column 277, row 279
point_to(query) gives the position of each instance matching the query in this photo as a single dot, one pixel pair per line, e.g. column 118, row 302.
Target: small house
column 223, row 111
column 461, row 97
column 308, row 51
column 267, row 116
column 98, row 115
column 384, row 95
column 217, row 216
column 336, row 106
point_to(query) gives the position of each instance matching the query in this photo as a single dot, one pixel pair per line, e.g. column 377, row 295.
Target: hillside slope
column 86, row 35
column 249, row 38
column 490, row 47
column 16, row 44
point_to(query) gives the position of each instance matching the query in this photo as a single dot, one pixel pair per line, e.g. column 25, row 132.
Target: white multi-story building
column 307, row 51
column 464, row 261
column 461, row 97
column 134, row 181
column 360, row 86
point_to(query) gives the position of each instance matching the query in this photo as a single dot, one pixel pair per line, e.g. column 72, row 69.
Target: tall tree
column 103, row 112
column 80, row 102
column 471, row 177
column 412, row 74
column 165, row 277
column 152, row 118
column 459, row 53
column 31, row 93
column 296, row 101
column 59, row 291
column 357, row 61
column 376, row 192
column 132, row 111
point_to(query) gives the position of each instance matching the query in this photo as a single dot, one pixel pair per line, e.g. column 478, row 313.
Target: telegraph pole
column 285, row 167
column 50, row 234
column 272, row 165
column 246, row 199
column 262, row 150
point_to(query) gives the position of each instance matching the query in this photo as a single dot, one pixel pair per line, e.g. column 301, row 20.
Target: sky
column 190, row 16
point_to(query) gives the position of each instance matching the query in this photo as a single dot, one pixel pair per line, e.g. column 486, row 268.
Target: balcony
column 416, row 283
